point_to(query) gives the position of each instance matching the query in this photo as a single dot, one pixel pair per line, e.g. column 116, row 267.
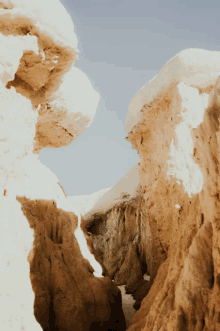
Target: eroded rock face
column 176, row 133
column 42, row 35
column 123, row 241
column 130, row 250
column 67, row 294
column 42, row 104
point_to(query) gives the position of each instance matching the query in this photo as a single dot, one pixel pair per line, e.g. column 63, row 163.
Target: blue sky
column 123, row 44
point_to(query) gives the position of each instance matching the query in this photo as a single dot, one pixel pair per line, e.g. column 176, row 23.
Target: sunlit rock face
column 45, row 102
column 68, row 296
column 173, row 123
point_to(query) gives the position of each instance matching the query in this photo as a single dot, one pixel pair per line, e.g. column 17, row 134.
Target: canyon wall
column 173, row 123
column 161, row 221
column 124, row 246
column 120, row 232
column 46, row 281
column 169, row 229
column 67, row 294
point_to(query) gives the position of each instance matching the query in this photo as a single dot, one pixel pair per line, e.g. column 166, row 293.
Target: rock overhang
column 43, row 70
column 46, row 99
column 194, row 67
column 174, row 125
column 167, row 113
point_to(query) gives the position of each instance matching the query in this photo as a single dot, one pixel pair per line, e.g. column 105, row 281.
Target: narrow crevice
column 202, row 219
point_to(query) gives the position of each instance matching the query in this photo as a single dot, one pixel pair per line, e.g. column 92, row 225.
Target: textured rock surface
column 176, row 133
column 67, row 295
column 122, row 239
column 127, row 188
column 43, row 72
column 38, row 50
column 169, row 230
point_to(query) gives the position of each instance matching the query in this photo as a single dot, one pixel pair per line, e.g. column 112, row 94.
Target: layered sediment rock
column 43, row 104
column 173, row 123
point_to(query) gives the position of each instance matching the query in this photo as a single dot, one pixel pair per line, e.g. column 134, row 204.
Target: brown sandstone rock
column 67, row 295
column 177, row 135
column 124, row 244
column 173, row 123
column 42, row 104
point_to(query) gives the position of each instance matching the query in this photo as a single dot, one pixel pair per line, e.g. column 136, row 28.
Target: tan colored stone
column 37, row 76
column 67, row 295
column 184, row 218
column 124, row 245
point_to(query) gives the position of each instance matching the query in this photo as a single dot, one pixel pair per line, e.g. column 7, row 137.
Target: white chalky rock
column 44, row 102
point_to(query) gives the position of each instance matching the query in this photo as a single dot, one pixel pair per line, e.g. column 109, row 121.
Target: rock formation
column 126, row 189
column 67, row 295
column 173, row 123
column 162, row 221
column 45, row 102
column 121, row 237
column 170, row 229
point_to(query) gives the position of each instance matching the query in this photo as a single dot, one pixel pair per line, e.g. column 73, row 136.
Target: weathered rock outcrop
column 167, row 227
column 121, row 237
column 67, row 295
column 45, row 102
column 173, row 123
column 170, row 229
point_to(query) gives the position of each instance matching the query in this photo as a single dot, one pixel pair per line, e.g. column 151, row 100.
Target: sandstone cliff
column 121, row 236
column 67, row 295
column 170, row 229
column 173, row 122
column 43, row 104
column 165, row 224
